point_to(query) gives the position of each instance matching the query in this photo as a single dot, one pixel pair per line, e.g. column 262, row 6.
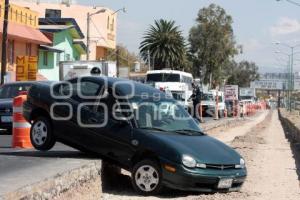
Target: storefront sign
column 26, row 68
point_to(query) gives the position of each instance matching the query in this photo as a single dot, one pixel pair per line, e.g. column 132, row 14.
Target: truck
column 72, row 69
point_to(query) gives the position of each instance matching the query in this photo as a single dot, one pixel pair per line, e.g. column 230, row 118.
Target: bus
column 179, row 83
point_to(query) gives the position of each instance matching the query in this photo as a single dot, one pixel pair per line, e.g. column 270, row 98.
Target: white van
column 179, row 83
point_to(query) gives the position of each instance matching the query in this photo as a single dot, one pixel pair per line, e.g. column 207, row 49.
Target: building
column 65, row 36
column 102, row 25
column 24, row 37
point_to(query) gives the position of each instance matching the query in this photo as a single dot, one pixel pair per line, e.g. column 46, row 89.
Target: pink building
column 102, row 25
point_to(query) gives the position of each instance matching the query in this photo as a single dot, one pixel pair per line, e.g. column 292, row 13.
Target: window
column 163, row 77
column 108, row 22
column 89, row 88
column 28, row 49
column 68, row 57
column 57, row 58
column 81, row 89
column 11, row 91
column 11, row 52
column 45, row 58
column 112, row 25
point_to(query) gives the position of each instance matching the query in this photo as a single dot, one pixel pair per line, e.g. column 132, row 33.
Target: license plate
column 6, row 119
column 225, row 183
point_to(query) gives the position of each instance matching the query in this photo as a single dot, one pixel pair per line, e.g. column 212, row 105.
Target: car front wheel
column 147, row 178
column 41, row 134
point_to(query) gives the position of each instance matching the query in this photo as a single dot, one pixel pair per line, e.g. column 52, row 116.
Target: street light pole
column 291, row 70
column 89, row 15
column 292, row 2
column 88, row 37
column 4, row 41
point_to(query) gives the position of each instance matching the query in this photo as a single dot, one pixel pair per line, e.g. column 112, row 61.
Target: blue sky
column 257, row 23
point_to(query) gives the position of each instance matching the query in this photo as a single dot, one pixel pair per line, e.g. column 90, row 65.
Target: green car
column 147, row 133
column 186, row 158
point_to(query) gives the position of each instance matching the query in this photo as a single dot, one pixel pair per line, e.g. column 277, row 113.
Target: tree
column 127, row 58
column 165, row 44
column 242, row 73
column 212, row 43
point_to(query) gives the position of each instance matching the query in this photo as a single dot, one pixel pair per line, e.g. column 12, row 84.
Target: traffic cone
column 21, row 128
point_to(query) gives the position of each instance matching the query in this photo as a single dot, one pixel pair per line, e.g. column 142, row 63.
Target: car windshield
column 164, row 115
column 11, row 91
column 163, row 77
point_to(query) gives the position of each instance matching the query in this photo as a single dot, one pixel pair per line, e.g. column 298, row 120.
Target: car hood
column 204, row 149
column 6, row 103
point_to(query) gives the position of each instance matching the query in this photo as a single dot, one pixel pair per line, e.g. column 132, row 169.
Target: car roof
column 19, row 83
column 122, row 85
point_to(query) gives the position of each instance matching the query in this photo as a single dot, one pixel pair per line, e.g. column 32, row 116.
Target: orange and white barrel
column 21, row 128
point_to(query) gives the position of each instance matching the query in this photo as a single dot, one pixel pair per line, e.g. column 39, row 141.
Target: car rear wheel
column 41, row 134
column 147, row 178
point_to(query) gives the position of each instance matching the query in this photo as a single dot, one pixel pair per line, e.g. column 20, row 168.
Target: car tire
column 147, row 178
column 41, row 134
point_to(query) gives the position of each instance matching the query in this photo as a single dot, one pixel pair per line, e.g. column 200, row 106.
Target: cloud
column 285, row 26
column 252, row 45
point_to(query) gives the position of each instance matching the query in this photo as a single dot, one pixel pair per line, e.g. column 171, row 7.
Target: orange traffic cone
column 21, row 128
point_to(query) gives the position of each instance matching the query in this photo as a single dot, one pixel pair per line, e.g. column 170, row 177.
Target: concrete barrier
column 291, row 124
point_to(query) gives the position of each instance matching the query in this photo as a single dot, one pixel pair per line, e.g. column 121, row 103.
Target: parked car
column 7, row 93
column 170, row 150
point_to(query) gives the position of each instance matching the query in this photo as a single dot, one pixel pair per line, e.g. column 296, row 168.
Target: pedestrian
column 196, row 98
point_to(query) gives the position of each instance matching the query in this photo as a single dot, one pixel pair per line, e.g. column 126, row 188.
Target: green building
column 67, row 45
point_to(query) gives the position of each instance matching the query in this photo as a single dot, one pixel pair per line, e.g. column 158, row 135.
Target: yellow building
column 24, row 37
column 102, row 26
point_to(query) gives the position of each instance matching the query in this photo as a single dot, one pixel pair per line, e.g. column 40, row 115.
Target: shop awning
column 50, row 49
column 22, row 32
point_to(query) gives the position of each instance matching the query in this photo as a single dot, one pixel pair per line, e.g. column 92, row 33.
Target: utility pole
column 4, row 41
column 118, row 61
column 88, row 37
column 291, row 78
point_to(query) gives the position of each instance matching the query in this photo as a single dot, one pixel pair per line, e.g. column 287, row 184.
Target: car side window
column 82, row 91
column 88, row 88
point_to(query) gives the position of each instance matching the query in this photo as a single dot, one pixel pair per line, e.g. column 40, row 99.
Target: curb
column 293, row 130
column 52, row 187
column 231, row 122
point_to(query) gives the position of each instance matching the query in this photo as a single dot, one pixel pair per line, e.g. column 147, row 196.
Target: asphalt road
column 21, row 167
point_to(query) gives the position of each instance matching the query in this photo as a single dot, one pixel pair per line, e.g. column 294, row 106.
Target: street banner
column 26, row 68
column 247, row 92
column 231, row 92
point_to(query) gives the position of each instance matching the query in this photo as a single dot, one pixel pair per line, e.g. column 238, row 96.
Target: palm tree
column 165, row 43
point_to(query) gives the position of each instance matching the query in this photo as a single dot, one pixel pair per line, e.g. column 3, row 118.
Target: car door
column 70, row 108
column 113, row 138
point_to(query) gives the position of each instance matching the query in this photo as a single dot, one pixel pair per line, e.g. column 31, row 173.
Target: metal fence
column 295, row 101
